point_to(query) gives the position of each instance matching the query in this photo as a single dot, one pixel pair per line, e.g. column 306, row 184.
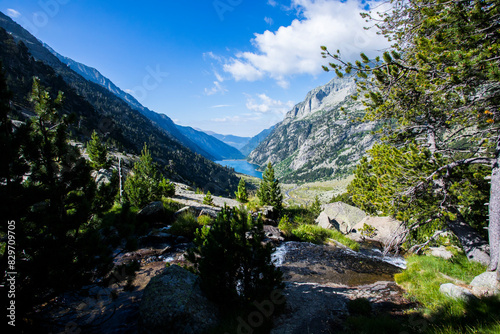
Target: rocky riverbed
column 320, row 280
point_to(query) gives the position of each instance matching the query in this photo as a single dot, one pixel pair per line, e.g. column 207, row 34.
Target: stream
column 306, row 262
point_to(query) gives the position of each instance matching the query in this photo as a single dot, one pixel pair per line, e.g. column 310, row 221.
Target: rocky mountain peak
column 323, row 97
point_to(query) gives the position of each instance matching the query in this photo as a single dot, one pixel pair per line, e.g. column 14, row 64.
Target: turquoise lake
column 242, row 166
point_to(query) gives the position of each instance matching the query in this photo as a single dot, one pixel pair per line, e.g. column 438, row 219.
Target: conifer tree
column 438, row 87
column 208, row 199
column 98, row 152
column 58, row 192
column 269, row 192
column 242, row 193
column 316, row 206
column 232, row 260
column 145, row 184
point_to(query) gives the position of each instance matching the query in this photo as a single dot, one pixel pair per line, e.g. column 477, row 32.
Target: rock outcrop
column 340, row 216
column 388, row 231
column 174, row 303
column 317, row 138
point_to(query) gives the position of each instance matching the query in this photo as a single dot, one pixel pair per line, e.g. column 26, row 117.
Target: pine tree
column 98, row 153
column 438, row 88
column 242, row 193
column 232, row 260
column 54, row 228
column 316, row 207
column 208, row 199
column 269, row 192
column 145, row 184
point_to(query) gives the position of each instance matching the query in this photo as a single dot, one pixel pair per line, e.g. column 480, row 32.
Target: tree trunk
column 494, row 214
column 474, row 246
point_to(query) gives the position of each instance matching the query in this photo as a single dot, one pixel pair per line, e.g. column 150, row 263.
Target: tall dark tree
column 60, row 248
column 269, row 192
column 145, row 183
column 98, row 152
column 242, row 193
column 439, row 87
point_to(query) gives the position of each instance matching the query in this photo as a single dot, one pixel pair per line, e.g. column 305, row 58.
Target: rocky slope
column 317, row 140
column 96, row 108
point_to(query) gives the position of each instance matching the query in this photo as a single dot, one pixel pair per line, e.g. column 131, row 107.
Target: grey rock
column 174, row 303
column 340, row 216
column 103, row 176
column 273, row 233
column 440, row 251
column 152, row 211
column 269, row 212
column 488, row 281
column 455, row 291
column 387, row 230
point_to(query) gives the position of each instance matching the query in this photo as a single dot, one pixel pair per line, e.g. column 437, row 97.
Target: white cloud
column 13, row 13
column 265, row 104
column 269, row 20
column 217, row 88
column 295, row 49
column 243, row 70
column 221, row 106
column 272, row 3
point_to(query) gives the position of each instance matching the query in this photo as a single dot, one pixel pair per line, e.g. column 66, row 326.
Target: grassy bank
column 435, row 313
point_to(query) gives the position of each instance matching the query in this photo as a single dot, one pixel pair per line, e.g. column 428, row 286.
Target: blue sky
column 229, row 66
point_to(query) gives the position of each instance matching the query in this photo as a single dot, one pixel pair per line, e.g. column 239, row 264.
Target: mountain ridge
column 318, row 139
column 193, row 139
column 97, row 108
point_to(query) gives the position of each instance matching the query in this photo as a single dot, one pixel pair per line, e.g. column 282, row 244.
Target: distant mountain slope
column 317, row 140
column 98, row 108
column 214, row 146
column 256, row 140
column 195, row 140
column 234, row 141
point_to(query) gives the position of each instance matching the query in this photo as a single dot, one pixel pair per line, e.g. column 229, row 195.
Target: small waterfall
column 307, row 262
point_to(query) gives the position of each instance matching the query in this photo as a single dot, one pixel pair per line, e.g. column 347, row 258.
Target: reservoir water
column 242, row 166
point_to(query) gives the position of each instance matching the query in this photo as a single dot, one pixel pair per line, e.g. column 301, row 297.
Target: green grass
column 185, row 225
column 435, row 313
column 425, row 274
column 422, row 279
column 319, row 235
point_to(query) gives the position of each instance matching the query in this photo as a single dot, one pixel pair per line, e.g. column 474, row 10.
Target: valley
column 366, row 204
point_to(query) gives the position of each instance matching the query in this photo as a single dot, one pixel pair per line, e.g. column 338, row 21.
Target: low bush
column 286, row 226
column 318, row 235
column 205, row 220
column 185, row 225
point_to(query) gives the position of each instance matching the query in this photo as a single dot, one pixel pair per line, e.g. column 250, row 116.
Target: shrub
column 367, row 230
column 311, row 233
column 145, row 184
column 185, row 225
column 205, row 220
column 286, row 226
column 234, row 264
column 242, row 193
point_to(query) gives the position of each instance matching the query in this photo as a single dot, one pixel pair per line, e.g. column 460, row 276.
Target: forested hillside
column 96, row 108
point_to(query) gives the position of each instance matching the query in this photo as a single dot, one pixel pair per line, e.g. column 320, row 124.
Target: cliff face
column 317, row 140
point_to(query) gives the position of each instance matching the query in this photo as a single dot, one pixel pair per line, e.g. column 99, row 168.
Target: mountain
column 234, row 141
column 211, row 144
column 95, row 107
column 256, row 140
column 193, row 139
column 317, row 140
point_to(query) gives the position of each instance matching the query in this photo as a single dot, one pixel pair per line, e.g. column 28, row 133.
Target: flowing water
column 306, row 262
